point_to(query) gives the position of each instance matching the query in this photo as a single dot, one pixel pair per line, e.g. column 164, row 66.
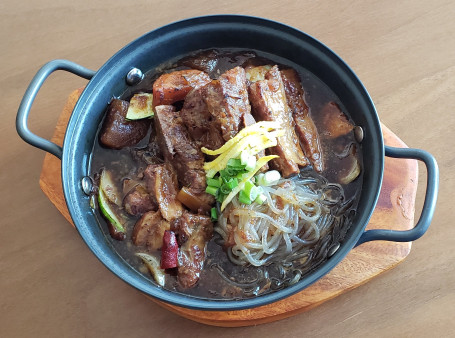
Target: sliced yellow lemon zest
column 257, row 128
column 249, row 141
column 253, row 143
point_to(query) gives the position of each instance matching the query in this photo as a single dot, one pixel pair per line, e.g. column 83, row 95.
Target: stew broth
column 220, row 278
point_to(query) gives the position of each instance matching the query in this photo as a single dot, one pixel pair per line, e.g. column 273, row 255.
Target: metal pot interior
column 179, row 39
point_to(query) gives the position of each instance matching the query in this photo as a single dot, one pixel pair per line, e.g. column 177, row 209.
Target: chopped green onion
column 214, row 214
column 220, row 196
column 243, row 198
column 211, row 190
column 260, row 199
column 254, row 193
column 259, row 178
column 223, row 174
column 231, row 171
column 272, row 177
column 225, row 189
column 213, row 182
column 248, row 160
column 248, row 186
column 251, row 163
column 269, row 178
column 244, row 156
column 250, row 190
column 232, row 183
column 234, row 163
column 240, row 176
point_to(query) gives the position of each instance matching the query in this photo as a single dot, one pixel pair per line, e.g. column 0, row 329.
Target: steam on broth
column 226, row 174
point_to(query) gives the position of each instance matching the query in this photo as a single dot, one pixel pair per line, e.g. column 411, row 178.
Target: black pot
column 179, row 39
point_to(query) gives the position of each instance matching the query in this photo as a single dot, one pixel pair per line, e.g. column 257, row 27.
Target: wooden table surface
column 52, row 286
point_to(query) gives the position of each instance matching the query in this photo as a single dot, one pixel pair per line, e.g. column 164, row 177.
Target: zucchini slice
column 108, row 196
column 109, row 188
column 141, row 107
column 107, row 212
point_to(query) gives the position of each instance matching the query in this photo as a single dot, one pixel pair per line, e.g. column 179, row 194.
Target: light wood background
column 52, row 286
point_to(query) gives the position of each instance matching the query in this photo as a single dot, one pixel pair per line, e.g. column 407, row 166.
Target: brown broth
column 130, row 162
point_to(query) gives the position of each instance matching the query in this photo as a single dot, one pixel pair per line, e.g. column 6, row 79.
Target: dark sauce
column 220, row 278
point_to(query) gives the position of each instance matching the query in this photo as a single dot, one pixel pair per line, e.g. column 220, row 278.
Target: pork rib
column 179, row 149
column 269, row 103
column 214, row 113
column 304, row 125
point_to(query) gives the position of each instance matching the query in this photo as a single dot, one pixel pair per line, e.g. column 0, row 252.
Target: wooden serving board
column 395, row 210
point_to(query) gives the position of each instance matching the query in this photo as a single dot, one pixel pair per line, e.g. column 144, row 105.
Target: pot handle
column 429, row 204
column 29, row 97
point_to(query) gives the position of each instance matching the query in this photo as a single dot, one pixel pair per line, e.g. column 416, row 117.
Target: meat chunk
column 206, row 60
column 149, row 230
column 304, row 125
column 213, row 113
column 185, row 225
column 201, row 125
column 162, row 184
column 198, row 203
column 191, row 260
column 179, row 149
column 227, row 101
column 254, row 74
column 138, row 201
column 173, row 87
column 117, row 132
column 247, row 120
column 194, row 232
column 269, row 104
column 334, row 121
column 215, row 61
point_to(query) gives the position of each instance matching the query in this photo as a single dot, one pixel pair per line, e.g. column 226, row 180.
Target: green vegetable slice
column 141, row 107
column 109, row 188
column 244, row 198
column 107, row 212
column 260, row 199
column 211, row 190
column 232, row 183
column 213, row 182
column 269, row 178
column 213, row 214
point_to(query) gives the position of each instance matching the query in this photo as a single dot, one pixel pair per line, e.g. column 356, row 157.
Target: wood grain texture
column 53, row 286
column 51, row 174
column 394, row 210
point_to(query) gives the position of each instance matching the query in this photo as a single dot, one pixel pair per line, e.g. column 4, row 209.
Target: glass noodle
column 298, row 213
